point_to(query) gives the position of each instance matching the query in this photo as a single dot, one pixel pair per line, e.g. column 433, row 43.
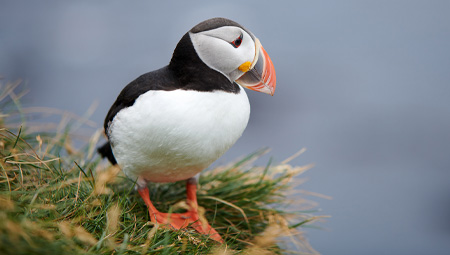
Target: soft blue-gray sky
column 363, row 85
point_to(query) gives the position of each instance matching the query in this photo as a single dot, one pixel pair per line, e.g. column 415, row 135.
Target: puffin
column 170, row 124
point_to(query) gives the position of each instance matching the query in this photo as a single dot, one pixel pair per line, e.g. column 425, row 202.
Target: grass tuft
column 55, row 199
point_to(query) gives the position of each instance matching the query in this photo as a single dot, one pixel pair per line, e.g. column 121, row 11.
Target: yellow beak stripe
column 245, row 67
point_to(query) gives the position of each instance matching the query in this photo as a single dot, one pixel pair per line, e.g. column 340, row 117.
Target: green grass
column 58, row 200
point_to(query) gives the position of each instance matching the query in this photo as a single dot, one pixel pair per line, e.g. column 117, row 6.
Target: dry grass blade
column 229, row 204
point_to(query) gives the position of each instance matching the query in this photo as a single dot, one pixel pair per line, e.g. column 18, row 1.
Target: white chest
column 168, row 136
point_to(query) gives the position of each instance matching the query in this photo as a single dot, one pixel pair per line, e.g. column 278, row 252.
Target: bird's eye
column 236, row 43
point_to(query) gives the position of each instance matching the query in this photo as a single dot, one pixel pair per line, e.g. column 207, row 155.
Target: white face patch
column 215, row 49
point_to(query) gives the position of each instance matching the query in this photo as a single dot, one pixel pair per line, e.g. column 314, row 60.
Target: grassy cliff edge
column 55, row 199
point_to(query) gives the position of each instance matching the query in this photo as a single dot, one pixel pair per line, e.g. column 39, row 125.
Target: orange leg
column 181, row 220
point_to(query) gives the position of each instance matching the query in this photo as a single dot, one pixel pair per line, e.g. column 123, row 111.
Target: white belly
column 168, row 136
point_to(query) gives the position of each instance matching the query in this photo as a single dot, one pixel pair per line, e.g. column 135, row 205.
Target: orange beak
column 261, row 74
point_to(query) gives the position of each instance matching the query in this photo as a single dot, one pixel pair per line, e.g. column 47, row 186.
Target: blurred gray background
column 363, row 85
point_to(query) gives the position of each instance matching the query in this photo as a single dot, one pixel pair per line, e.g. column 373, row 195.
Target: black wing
column 162, row 79
column 106, row 152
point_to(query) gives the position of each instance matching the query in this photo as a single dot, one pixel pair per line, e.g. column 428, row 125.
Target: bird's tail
column 106, row 152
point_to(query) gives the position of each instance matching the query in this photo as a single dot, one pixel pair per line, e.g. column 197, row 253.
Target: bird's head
column 228, row 48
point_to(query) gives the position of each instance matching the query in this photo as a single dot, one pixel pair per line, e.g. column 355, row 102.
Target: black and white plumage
column 169, row 124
